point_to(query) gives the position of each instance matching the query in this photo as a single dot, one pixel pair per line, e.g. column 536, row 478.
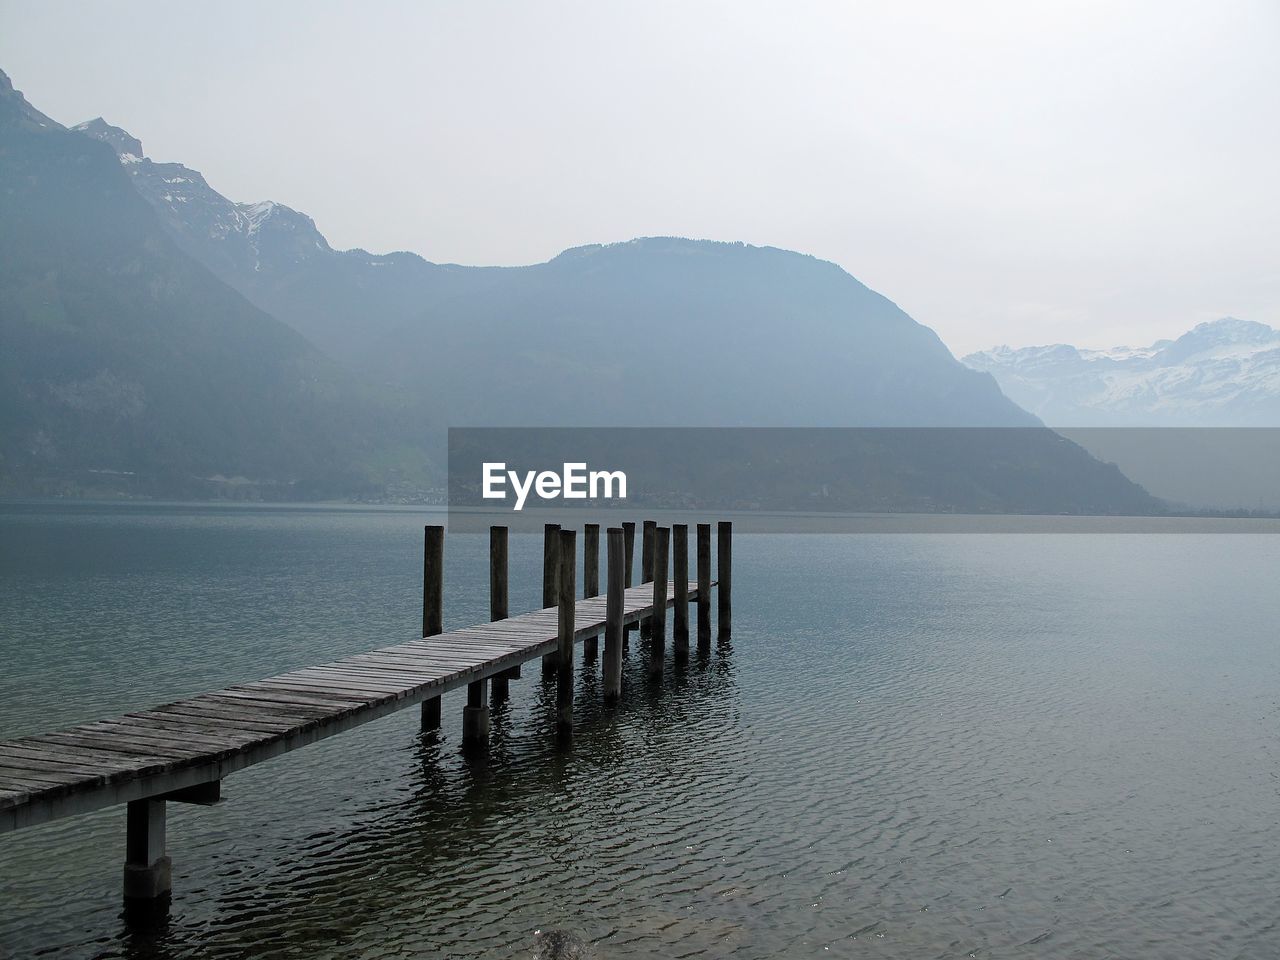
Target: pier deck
column 181, row 750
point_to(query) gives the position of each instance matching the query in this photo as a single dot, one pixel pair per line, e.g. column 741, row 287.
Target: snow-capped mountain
column 1222, row 373
column 277, row 258
column 246, row 233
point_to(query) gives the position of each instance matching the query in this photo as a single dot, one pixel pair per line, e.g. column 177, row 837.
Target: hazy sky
column 1019, row 172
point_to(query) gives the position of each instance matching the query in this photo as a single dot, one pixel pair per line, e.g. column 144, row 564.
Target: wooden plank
column 60, row 770
column 96, row 740
column 29, row 781
column 300, row 699
column 268, row 705
column 40, row 756
column 266, row 723
column 81, row 752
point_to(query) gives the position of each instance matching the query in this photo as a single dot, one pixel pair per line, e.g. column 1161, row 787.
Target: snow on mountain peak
column 123, row 142
column 1223, row 372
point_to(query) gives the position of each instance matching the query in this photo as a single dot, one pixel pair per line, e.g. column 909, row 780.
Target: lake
column 915, row 746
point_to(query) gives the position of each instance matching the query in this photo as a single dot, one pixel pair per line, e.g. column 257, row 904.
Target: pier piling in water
column 704, row 589
column 147, row 869
column 724, row 573
column 432, row 606
column 680, row 589
column 499, row 686
column 590, row 581
column 658, row 618
column 568, row 606
column 550, row 578
column 646, row 567
column 475, row 718
column 629, row 555
column 613, row 632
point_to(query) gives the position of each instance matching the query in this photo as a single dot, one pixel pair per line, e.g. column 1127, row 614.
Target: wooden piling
column 613, row 633
column 147, row 869
column 629, row 555
column 475, row 715
column 568, row 603
column 680, row 589
column 646, row 569
column 658, row 622
column 724, row 573
column 500, row 688
column 550, row 579
column 704, row 588
column 590, row 580
column 432, row 606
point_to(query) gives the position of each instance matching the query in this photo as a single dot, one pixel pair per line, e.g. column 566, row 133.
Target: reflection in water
column 461, row 810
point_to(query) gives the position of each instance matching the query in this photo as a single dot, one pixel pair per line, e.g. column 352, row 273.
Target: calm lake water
column 917, row 746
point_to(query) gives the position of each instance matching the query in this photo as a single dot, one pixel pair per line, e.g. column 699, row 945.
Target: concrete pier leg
column 475, row 718
column 500, row 689
column 147, row 870
column 431, row 714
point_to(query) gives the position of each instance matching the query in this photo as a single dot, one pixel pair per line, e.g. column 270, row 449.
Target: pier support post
column 475, row 718
column 550, row 568
column 498, row 609
column 658, row 620
column 590, row 580
column 724, row 573
column 432, row 606
column 568, row 599
column 646, row 569
column 704, row 588
column 613, row 632
column 147, row 870
column 629, row 556
column 680, row 589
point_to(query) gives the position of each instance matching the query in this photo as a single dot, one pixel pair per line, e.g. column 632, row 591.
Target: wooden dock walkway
column 181, row 751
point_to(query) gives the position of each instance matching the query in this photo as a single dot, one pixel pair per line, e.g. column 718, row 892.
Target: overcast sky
column 1020, row 172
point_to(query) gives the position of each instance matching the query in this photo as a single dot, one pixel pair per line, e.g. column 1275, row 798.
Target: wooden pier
column 182, row 751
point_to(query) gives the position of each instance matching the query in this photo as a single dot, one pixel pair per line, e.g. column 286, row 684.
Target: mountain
column 654, row 331
column 128, row 367
column 343, row 301
column 1224, row 373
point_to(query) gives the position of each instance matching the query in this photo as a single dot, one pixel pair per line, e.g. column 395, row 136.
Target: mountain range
column 736, row 334
column 1223, row 373
column 158, row 331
